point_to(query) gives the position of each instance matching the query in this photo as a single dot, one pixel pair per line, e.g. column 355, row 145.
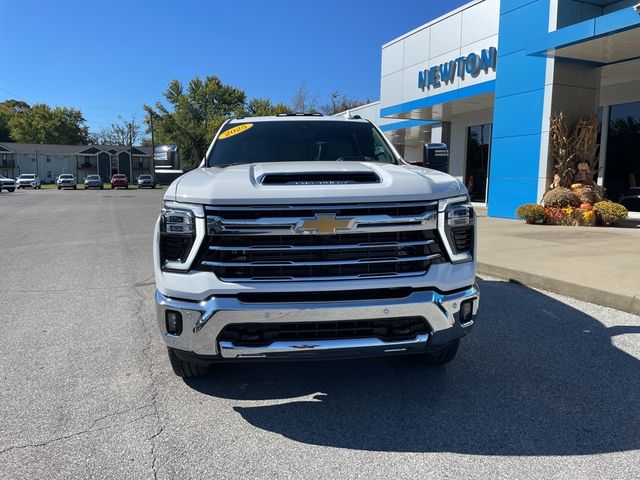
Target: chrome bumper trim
column 312, row 347
column 204, row 321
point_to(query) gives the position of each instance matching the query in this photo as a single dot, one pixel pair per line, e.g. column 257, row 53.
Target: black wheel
column 439, row 358
column 11, row 189
column 59, row 187
column 75, row 187
column 185, row 369
column 101, row 187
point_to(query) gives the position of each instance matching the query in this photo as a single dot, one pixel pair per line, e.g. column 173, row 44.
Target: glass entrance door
column 622, row 170
column 478, row 153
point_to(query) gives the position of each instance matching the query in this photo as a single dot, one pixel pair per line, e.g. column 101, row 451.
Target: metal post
column 153, row 149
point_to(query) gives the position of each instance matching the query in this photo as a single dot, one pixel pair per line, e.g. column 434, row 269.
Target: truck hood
column 259, row 183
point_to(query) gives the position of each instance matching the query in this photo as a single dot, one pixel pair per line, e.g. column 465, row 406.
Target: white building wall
column 469, row 29
column 45, row 164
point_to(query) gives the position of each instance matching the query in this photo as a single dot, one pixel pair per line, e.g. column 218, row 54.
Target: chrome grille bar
column 285, row 248
column 291, row 263
column 287, row 225
column 318, row 279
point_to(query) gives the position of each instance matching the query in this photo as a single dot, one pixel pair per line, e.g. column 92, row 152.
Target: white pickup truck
column 302, row 236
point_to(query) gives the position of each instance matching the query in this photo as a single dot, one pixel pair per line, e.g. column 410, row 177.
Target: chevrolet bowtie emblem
column 323, row 224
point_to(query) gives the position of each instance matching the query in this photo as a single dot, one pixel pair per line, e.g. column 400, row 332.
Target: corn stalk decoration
column 572, row 146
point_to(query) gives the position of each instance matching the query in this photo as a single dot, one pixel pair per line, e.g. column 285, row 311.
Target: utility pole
column 153, row 147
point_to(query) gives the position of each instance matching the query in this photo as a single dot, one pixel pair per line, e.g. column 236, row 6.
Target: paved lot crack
column 89, row 430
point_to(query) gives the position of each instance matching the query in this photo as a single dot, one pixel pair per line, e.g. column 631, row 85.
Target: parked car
column 146, row 181
column 66, row 180
column 119, row 180
column 30, row 180
column 631, row 199
column 8, row 184
column 93, row 181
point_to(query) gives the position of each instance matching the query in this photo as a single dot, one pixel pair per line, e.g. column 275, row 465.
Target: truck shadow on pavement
column 535, row 377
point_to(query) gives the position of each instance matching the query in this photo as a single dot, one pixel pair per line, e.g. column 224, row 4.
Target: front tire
column 11, row 189
column 185, row 369
column 441, row 357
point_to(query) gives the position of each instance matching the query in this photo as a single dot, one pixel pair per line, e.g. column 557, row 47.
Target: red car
column 119, row 181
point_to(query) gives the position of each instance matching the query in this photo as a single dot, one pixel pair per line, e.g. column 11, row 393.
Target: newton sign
column 472, row 64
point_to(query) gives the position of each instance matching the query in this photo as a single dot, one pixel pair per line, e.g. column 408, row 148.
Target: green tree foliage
column 5, row 134
column 260, row 107
column 42, row 124
column 194, row 115
column 8, row 108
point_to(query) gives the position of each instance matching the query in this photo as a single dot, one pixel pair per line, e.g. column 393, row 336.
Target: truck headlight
column 181, row 232
column 456, row 224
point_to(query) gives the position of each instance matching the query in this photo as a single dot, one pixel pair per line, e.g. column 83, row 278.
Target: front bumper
column 204, row 321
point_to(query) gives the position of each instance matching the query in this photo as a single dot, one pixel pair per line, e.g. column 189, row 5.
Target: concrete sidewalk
column 599, row 265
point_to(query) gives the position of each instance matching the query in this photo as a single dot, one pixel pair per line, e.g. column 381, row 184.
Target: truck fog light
column 174, row 322
column 466, row 311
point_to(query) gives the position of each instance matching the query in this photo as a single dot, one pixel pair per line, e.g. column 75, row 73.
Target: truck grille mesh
column 262, row 334
column 395, row 248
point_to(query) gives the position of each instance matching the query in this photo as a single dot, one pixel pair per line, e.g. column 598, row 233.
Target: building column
column 518, row 108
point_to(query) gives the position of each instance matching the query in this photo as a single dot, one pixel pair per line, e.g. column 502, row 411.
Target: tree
column 303, row 101
column 340, row 103
column 194, row 115
column 42, row 124
column 126, row 132
column 8, row 108
column 259, row 107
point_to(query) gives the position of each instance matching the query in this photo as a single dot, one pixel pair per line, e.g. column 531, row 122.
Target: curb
column 624, row 303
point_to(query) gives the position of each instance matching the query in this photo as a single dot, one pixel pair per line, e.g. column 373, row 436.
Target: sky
column 108, row 58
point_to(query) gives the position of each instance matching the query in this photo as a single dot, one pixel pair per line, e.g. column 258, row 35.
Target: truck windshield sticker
column 235, row 130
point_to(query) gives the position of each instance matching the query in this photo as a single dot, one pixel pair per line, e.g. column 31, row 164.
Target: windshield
column 66, row 176
column 119, row 177
column 27, row 176
column 93, row 177
column 145, row 177
column 299, row 141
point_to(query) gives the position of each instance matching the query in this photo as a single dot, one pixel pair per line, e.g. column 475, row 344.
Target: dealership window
column 622, row 168
column 478, row 153
column 5, row 173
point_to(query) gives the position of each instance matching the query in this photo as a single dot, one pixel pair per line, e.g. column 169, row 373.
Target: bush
column 530, row 213
column 610, row 213
column 560, row 216
column 558, row 197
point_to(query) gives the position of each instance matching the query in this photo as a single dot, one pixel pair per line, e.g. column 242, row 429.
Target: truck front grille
column 271, row 243
column 262, row 334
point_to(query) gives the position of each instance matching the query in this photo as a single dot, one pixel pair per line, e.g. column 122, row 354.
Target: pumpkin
column 576, row 186
column 586, row 206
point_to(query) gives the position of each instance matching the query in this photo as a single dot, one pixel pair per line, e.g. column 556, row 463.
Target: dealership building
column 486, row 78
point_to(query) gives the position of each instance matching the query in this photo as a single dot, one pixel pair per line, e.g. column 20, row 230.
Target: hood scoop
column 319, row 178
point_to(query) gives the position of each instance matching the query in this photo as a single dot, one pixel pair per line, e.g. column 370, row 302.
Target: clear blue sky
column 109, row 57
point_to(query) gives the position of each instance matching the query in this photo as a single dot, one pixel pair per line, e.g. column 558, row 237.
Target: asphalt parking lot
column 544, row 387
